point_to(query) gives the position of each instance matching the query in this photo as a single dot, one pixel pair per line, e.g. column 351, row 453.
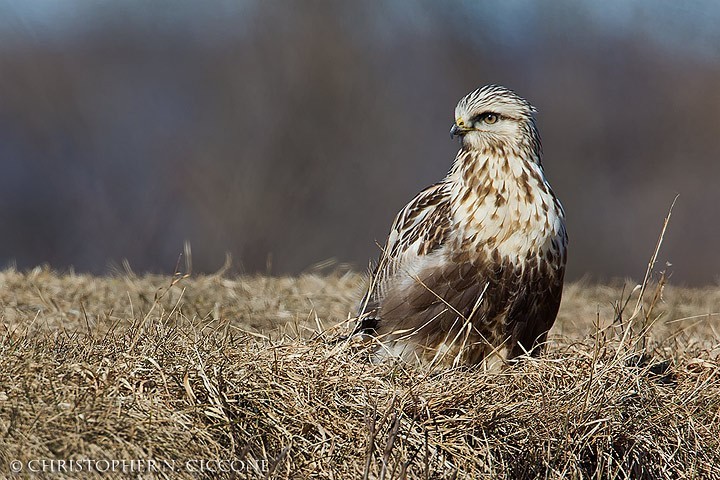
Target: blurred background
column 290, row 133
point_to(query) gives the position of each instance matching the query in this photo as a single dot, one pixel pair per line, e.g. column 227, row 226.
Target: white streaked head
column 493, row 117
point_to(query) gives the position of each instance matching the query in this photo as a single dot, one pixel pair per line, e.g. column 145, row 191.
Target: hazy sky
column 690, row 25
column 129, row 126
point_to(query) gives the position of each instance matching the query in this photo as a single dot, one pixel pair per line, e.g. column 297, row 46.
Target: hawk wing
column 420, row 228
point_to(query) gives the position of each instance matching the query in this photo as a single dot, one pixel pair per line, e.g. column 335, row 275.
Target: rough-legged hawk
column 473, row 267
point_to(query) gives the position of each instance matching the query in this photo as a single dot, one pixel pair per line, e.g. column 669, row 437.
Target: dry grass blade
column 651, row 263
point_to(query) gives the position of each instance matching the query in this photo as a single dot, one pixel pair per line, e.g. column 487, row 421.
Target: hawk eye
column 488, row 118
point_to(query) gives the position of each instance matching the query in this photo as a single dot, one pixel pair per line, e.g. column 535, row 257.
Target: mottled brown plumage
column 473, row 267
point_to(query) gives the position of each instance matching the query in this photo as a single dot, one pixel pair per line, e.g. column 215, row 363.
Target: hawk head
column 495, row 117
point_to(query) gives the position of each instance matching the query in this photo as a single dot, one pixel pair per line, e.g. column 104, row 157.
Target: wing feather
column 420, row 228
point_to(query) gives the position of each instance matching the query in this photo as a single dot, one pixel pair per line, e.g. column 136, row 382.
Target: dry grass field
column 215, row 377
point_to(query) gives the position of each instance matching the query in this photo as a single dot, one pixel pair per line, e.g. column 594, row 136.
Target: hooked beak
column 459, row 131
